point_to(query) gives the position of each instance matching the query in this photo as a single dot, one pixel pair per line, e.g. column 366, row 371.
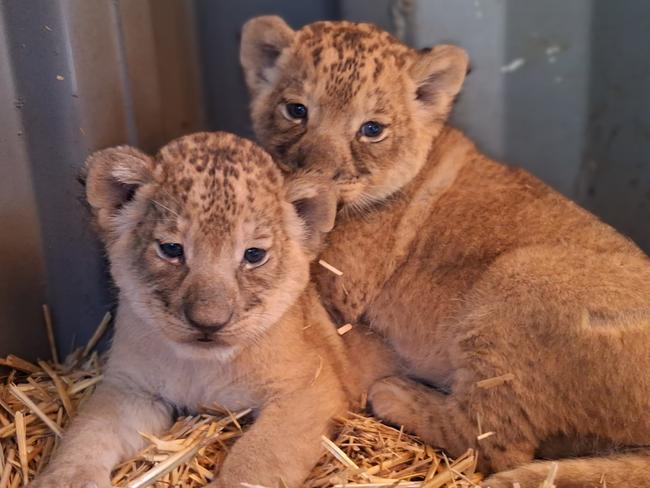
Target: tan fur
column 469, row 268
column 274, row 350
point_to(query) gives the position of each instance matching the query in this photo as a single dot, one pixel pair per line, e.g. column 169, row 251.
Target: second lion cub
column 210, row 251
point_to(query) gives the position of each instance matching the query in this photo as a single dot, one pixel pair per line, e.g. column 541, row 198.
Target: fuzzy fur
column 469, row 268
column 276, row 350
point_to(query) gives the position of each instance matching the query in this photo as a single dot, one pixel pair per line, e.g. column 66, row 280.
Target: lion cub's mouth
column 204, row 340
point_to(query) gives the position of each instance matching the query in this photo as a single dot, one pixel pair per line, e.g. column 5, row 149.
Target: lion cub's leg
column 106, row 430
column 528, row 320
column 286, row 438
column 452, row 421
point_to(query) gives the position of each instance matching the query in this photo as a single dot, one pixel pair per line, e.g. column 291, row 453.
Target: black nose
column 203, row 325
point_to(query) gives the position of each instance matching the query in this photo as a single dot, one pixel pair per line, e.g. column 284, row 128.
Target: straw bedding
column 38, row 400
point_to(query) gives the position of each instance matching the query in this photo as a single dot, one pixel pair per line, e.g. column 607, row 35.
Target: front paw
column 72, row 476
column 416, row 407
column 398, row 400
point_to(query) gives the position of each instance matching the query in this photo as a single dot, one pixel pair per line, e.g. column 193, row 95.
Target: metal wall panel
column 218, row 27
column 615, row 178
column 479, row 27
column 22, row 286
column 525, row 99
column 82, row 76
column 559, row 88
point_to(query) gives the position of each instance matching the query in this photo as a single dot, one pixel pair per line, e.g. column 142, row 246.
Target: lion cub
column 472, row 270
column 210, row 251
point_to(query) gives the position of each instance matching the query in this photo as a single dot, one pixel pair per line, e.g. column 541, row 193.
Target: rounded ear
column 315, row 200
column 262, row 41
column 112, row 177
column 438, row 74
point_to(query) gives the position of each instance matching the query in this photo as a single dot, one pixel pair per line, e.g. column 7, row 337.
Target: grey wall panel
column 161, row 56
column 50, row 90
column 478, row 27
column 83, row 74
column 219, row 25
column 615, row 178
column 525, row 99
column 22, row 286
column 559, row 88
column 378, row 12
column 546, row 101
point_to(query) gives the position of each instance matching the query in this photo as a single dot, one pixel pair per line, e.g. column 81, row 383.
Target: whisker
column 162, row 220
column 170, row 196
column 156, row 202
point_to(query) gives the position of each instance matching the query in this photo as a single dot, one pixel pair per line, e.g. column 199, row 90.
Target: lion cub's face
column 348, row 101
column 204, row 240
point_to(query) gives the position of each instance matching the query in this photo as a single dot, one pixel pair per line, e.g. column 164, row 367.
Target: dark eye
column 371, row 129
column 296, row 110
column 170, row 250
column 254, row 255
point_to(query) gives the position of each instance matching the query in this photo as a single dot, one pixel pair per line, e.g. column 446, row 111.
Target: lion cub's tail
column 631, row 470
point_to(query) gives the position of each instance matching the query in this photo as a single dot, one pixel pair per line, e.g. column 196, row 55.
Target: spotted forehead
column 216, row 177
column 348, row 55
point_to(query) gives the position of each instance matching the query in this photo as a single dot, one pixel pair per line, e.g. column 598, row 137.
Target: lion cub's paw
column 385, row 397
column 412, row 405
column 526, row 476
column 72, row 476
column 403, row 402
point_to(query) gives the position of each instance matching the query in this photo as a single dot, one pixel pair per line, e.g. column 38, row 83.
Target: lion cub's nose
column 207, row 319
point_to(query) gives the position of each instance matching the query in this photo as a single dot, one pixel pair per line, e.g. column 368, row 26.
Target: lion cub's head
column 207, row 243
column 348, row 100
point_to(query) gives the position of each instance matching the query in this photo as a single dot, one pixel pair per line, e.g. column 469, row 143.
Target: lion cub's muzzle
column 207, row 327
column 208, row 310
column 207, row 321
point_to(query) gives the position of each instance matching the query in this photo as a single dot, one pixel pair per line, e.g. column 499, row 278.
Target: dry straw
column 34, row 409
column 329, row 267
column 37, row 401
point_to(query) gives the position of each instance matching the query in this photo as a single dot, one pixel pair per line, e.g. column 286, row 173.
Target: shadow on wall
column 615, row 178
column 558, row 88
column 577, row 109
column 219, row 25
column 76, row 76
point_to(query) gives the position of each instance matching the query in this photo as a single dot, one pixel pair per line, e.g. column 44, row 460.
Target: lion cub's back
column 492, row 208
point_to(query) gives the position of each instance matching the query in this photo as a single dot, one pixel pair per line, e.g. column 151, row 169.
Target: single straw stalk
column 49, row 328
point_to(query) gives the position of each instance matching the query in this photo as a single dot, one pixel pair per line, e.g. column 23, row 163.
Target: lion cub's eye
column 371, row 129
column 170, row 251
column 254, row 256
column 296, row 111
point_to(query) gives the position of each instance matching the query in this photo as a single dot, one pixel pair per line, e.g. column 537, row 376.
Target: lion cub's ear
column 439, row 73
column 315, row 200
column 262, row 41
column 112, row 177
